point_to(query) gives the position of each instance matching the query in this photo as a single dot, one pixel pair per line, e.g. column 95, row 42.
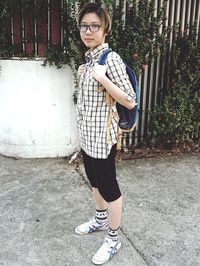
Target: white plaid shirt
column 92, row 109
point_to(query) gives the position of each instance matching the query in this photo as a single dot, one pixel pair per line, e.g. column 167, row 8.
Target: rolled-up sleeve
column 116, row 71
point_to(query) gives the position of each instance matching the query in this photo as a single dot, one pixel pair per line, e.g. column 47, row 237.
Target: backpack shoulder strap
column 111, row 102
column 101, row 61
column 103, row 57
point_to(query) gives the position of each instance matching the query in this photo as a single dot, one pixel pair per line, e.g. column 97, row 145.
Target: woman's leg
column 100, row 221
column 114, row 208
column 108, row 194
column 112, row 242
column 100, row 203
column 115, row 211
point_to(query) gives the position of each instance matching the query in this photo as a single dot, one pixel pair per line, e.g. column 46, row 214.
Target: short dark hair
column 99, row 11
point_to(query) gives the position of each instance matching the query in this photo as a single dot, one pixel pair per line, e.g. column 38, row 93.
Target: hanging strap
column 103, row 56
column 110, row 101
column 119, row 141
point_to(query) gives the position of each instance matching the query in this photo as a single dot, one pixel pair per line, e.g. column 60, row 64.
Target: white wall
column 37, row 113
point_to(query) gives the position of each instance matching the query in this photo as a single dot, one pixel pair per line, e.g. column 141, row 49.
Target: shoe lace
column 92, row 224
column 108, row 247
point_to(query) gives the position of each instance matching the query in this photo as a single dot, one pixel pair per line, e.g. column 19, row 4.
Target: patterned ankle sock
column 101, row 216
column 113, row 234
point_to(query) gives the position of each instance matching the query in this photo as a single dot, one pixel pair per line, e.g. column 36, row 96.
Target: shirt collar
column 93, row 54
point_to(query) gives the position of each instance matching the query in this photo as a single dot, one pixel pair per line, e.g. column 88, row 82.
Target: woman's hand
column 99, row 72
column 81, row 70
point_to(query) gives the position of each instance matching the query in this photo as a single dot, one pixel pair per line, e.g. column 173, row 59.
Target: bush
column 177, row 117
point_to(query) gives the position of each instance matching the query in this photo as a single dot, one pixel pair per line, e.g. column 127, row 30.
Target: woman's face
column 96, row 36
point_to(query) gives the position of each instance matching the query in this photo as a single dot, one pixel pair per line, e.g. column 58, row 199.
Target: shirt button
column 129, row 98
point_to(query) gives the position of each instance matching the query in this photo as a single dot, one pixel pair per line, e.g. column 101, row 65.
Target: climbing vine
column 135, row 31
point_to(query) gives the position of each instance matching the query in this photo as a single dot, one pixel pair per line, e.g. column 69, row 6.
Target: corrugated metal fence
column 154, row 77
column 47, row 29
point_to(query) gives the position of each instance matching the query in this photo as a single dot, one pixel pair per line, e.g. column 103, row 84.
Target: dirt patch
column 162, row 151
column 144, row 152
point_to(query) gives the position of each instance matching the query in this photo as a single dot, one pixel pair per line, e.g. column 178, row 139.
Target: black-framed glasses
column 92, row 27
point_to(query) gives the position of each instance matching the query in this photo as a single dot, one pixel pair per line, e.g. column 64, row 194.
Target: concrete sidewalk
column 42, row 200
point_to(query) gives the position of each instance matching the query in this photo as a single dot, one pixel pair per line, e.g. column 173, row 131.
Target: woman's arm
column 99, row 73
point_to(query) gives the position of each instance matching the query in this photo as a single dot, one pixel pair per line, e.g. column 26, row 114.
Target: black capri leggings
column 102, row 175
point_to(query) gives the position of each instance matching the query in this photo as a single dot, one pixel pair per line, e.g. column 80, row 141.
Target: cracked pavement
column 42, row 200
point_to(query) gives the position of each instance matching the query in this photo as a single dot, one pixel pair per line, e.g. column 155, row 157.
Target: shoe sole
column 102, row 262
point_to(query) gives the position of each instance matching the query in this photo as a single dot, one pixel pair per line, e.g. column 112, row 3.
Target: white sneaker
column 106, row 251
column 91, row 227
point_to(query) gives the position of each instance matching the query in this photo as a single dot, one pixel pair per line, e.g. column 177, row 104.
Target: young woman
column 93, row 112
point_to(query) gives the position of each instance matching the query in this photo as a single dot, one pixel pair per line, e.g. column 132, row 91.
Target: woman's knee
column 110, row 195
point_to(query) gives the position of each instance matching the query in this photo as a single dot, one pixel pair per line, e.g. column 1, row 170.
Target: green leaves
column 138, row 34
column 135, row 30
column 178, row 116
column 137, row 38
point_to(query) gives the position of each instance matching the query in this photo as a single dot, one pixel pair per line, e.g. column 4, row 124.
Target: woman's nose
column 88, row 30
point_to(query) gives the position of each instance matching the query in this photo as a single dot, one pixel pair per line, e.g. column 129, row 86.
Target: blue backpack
column 127, row 118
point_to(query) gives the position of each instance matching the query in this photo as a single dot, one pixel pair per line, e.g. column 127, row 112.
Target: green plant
column 23, row 8
column 177, row 117
column 136, row 38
